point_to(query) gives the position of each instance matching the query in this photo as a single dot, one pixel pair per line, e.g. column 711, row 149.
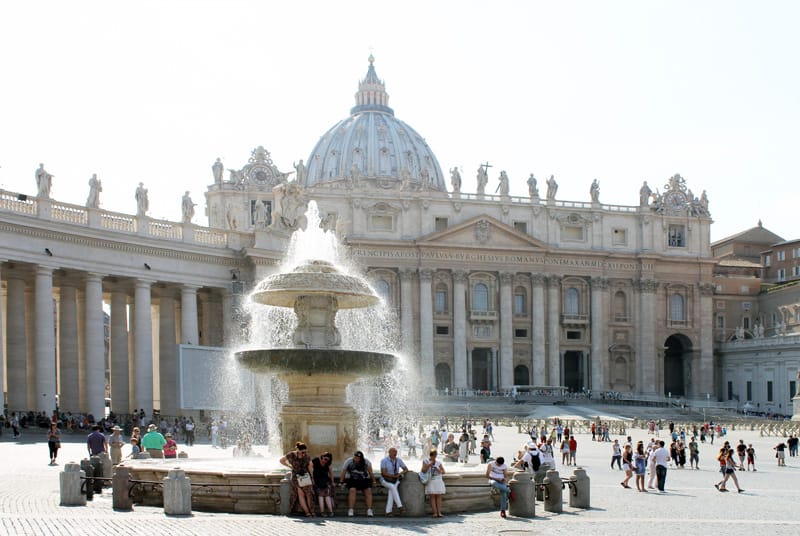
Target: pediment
column 483, row 231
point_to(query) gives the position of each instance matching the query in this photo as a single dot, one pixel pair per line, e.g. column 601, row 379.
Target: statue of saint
column 455, row 180
column 142, row 202
column 483, row 180
column 187, row 207
column 533, row 189
column 425, row 178
column 260, row 215
column 355, row 174
column 704, row 202
column 44, row 182
column 300, row 171
column 502, row 187
column 552, row 188
column 594, row 191
column 93, row 201
column 218, row 169
column 644, row 195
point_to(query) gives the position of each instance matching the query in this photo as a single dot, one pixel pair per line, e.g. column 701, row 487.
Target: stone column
column 95, row 386
column 406, row 311
column 143, row 348
column 506, row 379
column 646, row 355
column 16, row 343
column 460, row 329
column 167, row 353
column 120, row 394
column 2, row 360
column 30, row 346
column 45, row 342
column 212, row 320
column 69, row 397
column 553, row 330
column 599, row 333
column 426, row 368
column 537, row 330
column 83, row 404
column 228, row 323
column 189, row 334
column 705, row 382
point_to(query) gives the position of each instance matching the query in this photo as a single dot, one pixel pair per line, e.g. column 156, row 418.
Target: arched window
column 441, row 301
column 480, row 297
column 676, row 308
column 520, row 301
column 384, row 290
column 620, row 307
column 521, row 375
column 572, row 305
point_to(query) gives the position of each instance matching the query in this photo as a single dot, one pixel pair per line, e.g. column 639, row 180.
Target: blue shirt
column 391, row 467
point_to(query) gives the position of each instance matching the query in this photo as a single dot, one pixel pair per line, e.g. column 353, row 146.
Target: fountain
column 316, row 370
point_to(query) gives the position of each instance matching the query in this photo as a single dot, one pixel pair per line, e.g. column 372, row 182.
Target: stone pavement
column 29, row 498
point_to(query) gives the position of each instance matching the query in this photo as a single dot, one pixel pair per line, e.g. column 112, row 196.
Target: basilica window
column 620, row 307
column 572, row 302
column 677, row 309
column 384, row 290
column 677, row 236
column 440, row 299
column 440, row 224
column 619, row 237
column 521, row 226
column 480, row 297
column 520, row 302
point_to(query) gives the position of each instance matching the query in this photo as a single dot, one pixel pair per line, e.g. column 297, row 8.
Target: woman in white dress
column 435, row 485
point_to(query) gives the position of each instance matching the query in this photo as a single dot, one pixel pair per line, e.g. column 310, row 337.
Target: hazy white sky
column 154, row 91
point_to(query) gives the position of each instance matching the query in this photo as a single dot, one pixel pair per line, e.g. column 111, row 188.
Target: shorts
column 359, row 483
column 626, row 467
column 728, row 471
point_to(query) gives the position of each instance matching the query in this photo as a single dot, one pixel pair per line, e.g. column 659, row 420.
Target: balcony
column 575, row 320
column 482, row 316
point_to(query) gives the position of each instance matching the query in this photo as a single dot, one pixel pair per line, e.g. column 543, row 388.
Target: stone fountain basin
column 311, row 361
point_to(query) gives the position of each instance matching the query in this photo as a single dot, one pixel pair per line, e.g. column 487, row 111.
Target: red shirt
column 171, row 448
column 573, row 445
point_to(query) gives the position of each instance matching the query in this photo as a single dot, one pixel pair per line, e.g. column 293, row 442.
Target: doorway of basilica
column 677, row 350
column 573, row 371
column 481, row 365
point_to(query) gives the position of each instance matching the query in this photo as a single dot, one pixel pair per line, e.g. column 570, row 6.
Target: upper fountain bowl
column 314, row 277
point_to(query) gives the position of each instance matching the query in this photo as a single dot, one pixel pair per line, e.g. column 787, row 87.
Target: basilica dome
column 373, row 147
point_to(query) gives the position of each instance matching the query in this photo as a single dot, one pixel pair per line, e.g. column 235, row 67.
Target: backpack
column 536, row 462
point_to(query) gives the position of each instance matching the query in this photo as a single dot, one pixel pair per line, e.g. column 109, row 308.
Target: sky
column 618, row 91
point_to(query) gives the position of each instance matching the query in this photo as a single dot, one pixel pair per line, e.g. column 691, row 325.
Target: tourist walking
column 323, row 482
column 115, row 442
column 431, row 472
column 497, row 473
column 660, row 457
column 393, row 469
column 751, row 457
column 189, row 427
column 640, row 464
column 616, row 455
column 573, row 449
column 53, row 442
column 780, row 453
column 302, row 485
column 96, row 442
column 627, row 465
column 728, row 469
column 694, row 454
column 741, row 452
column 564, row 452
column 357, row 476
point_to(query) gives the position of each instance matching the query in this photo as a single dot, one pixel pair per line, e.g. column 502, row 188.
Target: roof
column 754, row 235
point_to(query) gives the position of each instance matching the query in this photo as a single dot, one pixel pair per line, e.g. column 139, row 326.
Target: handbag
column 304, row 480
column 424, row 477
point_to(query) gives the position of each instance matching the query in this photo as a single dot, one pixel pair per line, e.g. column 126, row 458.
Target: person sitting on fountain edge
column 357, row 475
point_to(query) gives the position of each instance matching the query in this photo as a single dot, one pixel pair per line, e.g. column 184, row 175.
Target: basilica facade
column 490, row 290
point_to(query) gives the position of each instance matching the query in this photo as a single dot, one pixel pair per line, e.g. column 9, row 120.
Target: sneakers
column 741, row 491
column 350, row 512
column 503, row 514
column 369, row 512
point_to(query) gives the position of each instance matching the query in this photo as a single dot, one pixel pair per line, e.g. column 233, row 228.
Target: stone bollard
column 580, row 497
column 412, row 493
column 538, row 478
column 177, row 493
column 552, row 500
column 70, row 485
column 524, row 503
column 120, row 492
column 88, row 471
column 286, row 492
column 107, row 467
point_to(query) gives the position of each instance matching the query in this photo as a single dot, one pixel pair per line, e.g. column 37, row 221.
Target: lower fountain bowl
column 310, row 361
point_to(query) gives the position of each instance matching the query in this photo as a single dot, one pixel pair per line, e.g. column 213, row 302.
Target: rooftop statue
column 644, row 195
column 483, row 179
column 44, row 182
column 218, row 169
column 300, row 171
column 533, row 189
column 502, row 187
column 552, row 188
column 142, row 201
column 594, row 191
column 455, row 180
column 93, row 201
column 187, row 207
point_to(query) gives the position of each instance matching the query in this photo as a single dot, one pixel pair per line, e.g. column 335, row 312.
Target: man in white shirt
column 661, row 458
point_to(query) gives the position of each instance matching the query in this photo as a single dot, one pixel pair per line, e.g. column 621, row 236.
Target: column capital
column 407, row 274
column 460, row 276
column 706, row 289
column 506, row 278
column 553, row 281
column 599, row 283
column 426, row 274
column 144, row 283
column 647, row 286
column 44, row 269
column 93, row 277
column 538, row 279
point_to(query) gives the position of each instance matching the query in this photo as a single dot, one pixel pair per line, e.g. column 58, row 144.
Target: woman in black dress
column 323, row 482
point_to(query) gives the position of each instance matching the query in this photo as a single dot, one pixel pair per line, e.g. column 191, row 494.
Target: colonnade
column 57, row 348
